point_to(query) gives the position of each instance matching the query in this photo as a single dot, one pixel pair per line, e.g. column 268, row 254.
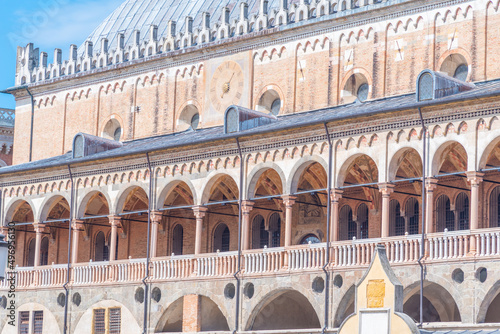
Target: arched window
column 462, row 212
column 221, row 238
column 310, row 238
column 412, row 213
column 101, row 252
column 177, row 239
column 275, row 230
column 44, row 252
column 30, row 258
column 397, row 222
column 495, row 207
column 260, row 237
column 348, row 228
column 445, row 217
column 362, row 220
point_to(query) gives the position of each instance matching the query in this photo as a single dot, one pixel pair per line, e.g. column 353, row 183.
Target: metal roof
column 286, row 122
column 141, row 14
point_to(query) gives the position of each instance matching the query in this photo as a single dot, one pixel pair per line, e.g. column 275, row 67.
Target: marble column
column 335, row 197
column 156, row 217
column 76, row 228
column 199, row 214
column 115, row 222
column 39, row 230
column 475, row 179
column 430, row 186
column 288, row 201
column 386, row 189
column 246, row 208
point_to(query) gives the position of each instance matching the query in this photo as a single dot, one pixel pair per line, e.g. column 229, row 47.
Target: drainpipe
column 65, row 286
column 32, row 123
column 422, row 243
column 146, row 292
column 238, row 282
column 328, row 231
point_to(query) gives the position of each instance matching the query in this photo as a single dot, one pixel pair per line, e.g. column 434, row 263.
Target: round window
column 118, row 134
column 195, row 121
column 363, row 91
column 461, row 72
column 275, row 107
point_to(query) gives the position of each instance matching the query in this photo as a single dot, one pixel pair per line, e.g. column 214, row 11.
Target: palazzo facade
column 203, row 166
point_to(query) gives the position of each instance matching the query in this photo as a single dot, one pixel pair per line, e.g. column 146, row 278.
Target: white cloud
column 60, row 23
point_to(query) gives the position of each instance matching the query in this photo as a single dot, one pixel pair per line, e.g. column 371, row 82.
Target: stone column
column 76, row 228
column 288, row 201
column 39, row 230
column 156, row 217
column 199, row 213
column 430, row 186
column 335, row 197
column 246, row 208
column 115, row 222
column 475, row 179
column 386, row 189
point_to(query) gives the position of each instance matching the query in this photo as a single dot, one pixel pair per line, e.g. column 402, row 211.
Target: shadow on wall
column 288, row 310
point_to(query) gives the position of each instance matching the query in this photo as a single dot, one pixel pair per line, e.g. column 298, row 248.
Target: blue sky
column 49, row 24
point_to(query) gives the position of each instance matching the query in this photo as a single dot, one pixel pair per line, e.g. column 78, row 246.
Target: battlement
column 33, row 67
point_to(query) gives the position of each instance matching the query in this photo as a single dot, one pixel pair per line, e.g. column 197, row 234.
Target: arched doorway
column 284, row 310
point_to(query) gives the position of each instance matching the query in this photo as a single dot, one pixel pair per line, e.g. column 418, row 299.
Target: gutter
column 328, row 229
column 422, row 245
column 239, row 135
column 238, row 281
column 148, row 250
column 65, row 285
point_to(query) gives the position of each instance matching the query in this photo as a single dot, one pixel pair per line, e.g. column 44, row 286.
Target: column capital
column 77, row 225
column 199, row 211
column 247, row 206
column 115, row 220
column 336, row 195
column 475, row 178
column 39, row 227
column 289, row 200
column 431, row 183
column 386, row 188
column 156, row 216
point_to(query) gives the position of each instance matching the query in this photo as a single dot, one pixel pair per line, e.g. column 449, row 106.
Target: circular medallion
column 226, row 86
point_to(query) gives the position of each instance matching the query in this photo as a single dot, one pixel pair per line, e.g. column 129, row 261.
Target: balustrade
column 445, row 246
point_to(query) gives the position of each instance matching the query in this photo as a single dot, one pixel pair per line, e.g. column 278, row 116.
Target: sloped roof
column 141, row 14
column 285, row 122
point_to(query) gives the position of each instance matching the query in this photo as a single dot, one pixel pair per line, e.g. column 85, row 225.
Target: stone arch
column 485, row 152
column 49, row 203
column 167, row 190
column 439, row 304
column 288, row 308
column 255, row 174
column 349, row 162
column 213, row 180
column 124, row 196
column 345, row 307
column 129, row 324
column 300, row 166
column 12, row 209
column 212, row 317
column 399, row 158
column 88, row 198
column 50, row 323
column 489, row 308
column 441, row 154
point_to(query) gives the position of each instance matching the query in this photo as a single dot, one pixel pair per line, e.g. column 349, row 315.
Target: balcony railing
column 404, row 250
